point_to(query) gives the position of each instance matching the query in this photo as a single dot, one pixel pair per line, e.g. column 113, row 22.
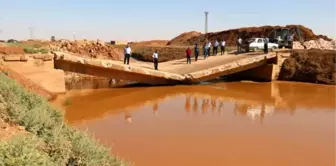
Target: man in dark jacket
column 265, row 45
column 196, row 49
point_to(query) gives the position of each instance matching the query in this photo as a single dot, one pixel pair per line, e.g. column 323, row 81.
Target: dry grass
column 51, row 141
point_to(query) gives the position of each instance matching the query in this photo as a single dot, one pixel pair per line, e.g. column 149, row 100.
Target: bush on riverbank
column 50, row 141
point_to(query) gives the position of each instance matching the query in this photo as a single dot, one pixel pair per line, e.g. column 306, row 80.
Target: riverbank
column 314, row 66
column 47, row 139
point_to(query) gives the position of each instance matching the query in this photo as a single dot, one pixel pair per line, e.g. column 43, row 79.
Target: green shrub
column 44, row 51
column 24, row 150
column 35, row 50
column 62, row 144
column 30, row 50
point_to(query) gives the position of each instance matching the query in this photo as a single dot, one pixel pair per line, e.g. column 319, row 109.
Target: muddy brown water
column 262, row 124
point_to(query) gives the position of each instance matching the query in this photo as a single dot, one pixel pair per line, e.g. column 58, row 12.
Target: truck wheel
column 272, row 49
column 255, row 49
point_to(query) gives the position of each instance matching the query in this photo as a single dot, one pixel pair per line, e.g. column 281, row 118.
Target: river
column 238, row 123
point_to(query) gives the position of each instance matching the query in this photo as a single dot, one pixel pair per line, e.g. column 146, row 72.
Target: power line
column 31, row 30
column 206, row 22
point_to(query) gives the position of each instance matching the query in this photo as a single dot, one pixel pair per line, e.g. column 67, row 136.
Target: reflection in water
column 252, row 111
column 187, row 103
column 205, row 105
column 195, row 105
column 128, row 117
column 155, row 108
column 214, row 140
column 221, row 105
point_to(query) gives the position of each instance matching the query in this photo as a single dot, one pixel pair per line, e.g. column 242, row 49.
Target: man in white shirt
column 215, row 48
column 239, row 43
column 209, row 48
column 222, row 47
column 156, row 60
column 128, row 52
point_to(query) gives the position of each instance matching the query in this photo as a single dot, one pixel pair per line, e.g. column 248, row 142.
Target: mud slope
column 186, row 38
column 231, row 35
column 316, row 66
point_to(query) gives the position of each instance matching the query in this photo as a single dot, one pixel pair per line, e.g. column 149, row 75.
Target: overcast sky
column 154, row 19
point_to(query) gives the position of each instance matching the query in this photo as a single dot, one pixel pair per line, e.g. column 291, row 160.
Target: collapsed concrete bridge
column 262, row 66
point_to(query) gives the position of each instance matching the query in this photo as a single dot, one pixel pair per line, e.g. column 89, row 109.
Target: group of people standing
column 216, row 44
column 206, row 52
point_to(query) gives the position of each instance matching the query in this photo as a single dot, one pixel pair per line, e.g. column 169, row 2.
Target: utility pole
column 31, row 30
column 74, row 36
column 206, row 22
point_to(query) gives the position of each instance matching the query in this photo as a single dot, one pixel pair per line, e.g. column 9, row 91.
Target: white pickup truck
column 258, row 44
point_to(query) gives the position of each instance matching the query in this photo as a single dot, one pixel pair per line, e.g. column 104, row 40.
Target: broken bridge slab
column 114, row 69
column 172, row 72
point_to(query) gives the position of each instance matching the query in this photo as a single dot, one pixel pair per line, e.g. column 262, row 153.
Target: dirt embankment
column 315, row 66
column 230, row 36
column 186, row 38
column 145, row 53
column 89, row 49
column 11, row 50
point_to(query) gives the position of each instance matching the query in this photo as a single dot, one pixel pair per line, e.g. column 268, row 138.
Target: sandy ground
column 44, row 74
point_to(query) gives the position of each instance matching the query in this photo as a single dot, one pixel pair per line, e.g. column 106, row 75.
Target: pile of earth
column 230, row 36
column 186, row 38
column 145, row 53
column 88, row 49
column 315, row 66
